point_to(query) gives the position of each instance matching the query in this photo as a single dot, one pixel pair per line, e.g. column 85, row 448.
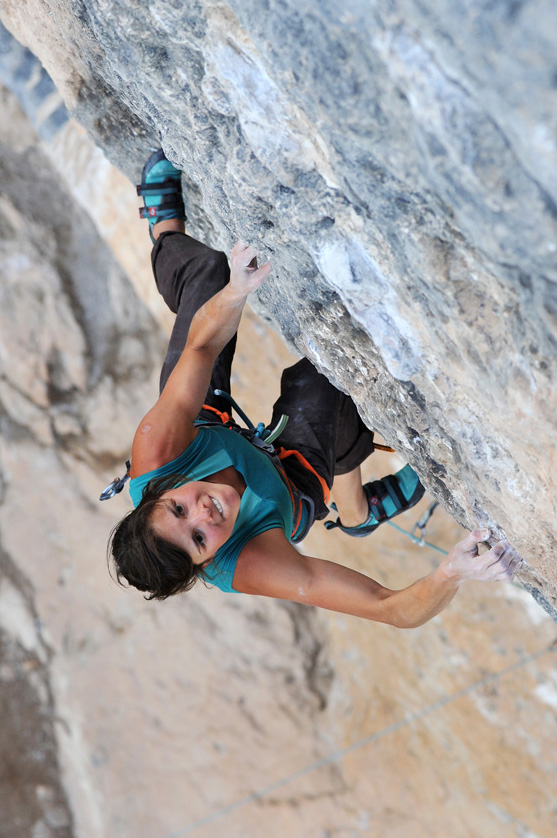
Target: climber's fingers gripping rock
column 245, row 274
column 499, row 564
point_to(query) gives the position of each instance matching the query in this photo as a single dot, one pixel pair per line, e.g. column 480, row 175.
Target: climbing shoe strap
column 395, row 492
column 174, row 204
column 376, row 492
column 170, row 186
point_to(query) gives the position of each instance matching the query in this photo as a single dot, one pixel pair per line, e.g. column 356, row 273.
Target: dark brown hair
column 146, row 560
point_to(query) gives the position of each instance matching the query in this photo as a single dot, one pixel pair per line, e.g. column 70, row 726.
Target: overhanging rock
column 398, row 165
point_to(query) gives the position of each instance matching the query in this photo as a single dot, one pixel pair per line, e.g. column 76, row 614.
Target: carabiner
column 117, row 484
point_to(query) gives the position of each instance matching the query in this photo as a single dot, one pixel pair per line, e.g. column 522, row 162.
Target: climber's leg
column 324, row 426
column 187, row 272
column 173, row 225
column 350, row 498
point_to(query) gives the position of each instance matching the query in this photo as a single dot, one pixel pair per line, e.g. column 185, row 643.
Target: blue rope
column 419, row 541
column 223, row 394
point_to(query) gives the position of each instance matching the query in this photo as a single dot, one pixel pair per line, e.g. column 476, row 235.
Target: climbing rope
column 419, row 541
column 268, row 435
column 421, row 526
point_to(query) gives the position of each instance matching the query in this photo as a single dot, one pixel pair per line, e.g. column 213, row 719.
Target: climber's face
column 198, row 517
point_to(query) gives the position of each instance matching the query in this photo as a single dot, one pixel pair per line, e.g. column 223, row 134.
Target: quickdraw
column 421, row 525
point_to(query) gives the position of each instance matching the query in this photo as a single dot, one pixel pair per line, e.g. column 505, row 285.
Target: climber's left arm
column 270, row 566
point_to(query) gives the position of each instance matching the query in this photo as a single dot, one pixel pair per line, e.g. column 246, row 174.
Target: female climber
column 216, row 504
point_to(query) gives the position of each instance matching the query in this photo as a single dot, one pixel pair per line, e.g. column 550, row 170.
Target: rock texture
column 75, row 345
column 211, row 715
column 397, row 162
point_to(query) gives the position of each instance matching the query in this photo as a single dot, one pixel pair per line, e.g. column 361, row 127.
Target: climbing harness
column 261, row 437
column 267, row 435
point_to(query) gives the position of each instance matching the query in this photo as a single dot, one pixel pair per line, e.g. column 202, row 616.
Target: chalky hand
column 499, row 564
column 245, row 275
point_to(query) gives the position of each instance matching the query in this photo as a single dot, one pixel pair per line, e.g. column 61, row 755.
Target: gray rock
column 68, row 316
column 33, row 799
column 24, row 75
column 219, row 714
column 398, row 165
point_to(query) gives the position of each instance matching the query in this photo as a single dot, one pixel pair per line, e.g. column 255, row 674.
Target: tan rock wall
column 219, row 715
column 397, row 161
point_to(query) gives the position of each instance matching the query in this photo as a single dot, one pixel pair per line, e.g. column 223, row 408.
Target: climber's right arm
column 168, row 428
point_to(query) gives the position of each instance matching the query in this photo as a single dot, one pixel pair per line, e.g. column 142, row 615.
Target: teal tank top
column 265, row 504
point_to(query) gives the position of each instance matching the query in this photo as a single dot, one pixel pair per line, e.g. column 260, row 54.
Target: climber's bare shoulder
column 168, row 428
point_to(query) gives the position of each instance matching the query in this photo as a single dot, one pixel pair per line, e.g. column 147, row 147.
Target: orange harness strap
column 224, row 417
column 283, row 453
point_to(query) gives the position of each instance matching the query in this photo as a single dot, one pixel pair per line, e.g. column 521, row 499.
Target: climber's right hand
column 245, row 275
column 499, row 564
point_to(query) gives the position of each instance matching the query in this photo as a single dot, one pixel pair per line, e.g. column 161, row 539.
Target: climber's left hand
column 499, row 564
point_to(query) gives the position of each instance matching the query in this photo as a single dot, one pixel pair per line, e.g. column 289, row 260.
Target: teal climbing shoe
column 161, row 189
column 386, row 498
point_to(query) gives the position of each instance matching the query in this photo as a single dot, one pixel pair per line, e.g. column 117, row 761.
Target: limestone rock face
column 76, row 349
column 397, row 162
column 210, row 715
